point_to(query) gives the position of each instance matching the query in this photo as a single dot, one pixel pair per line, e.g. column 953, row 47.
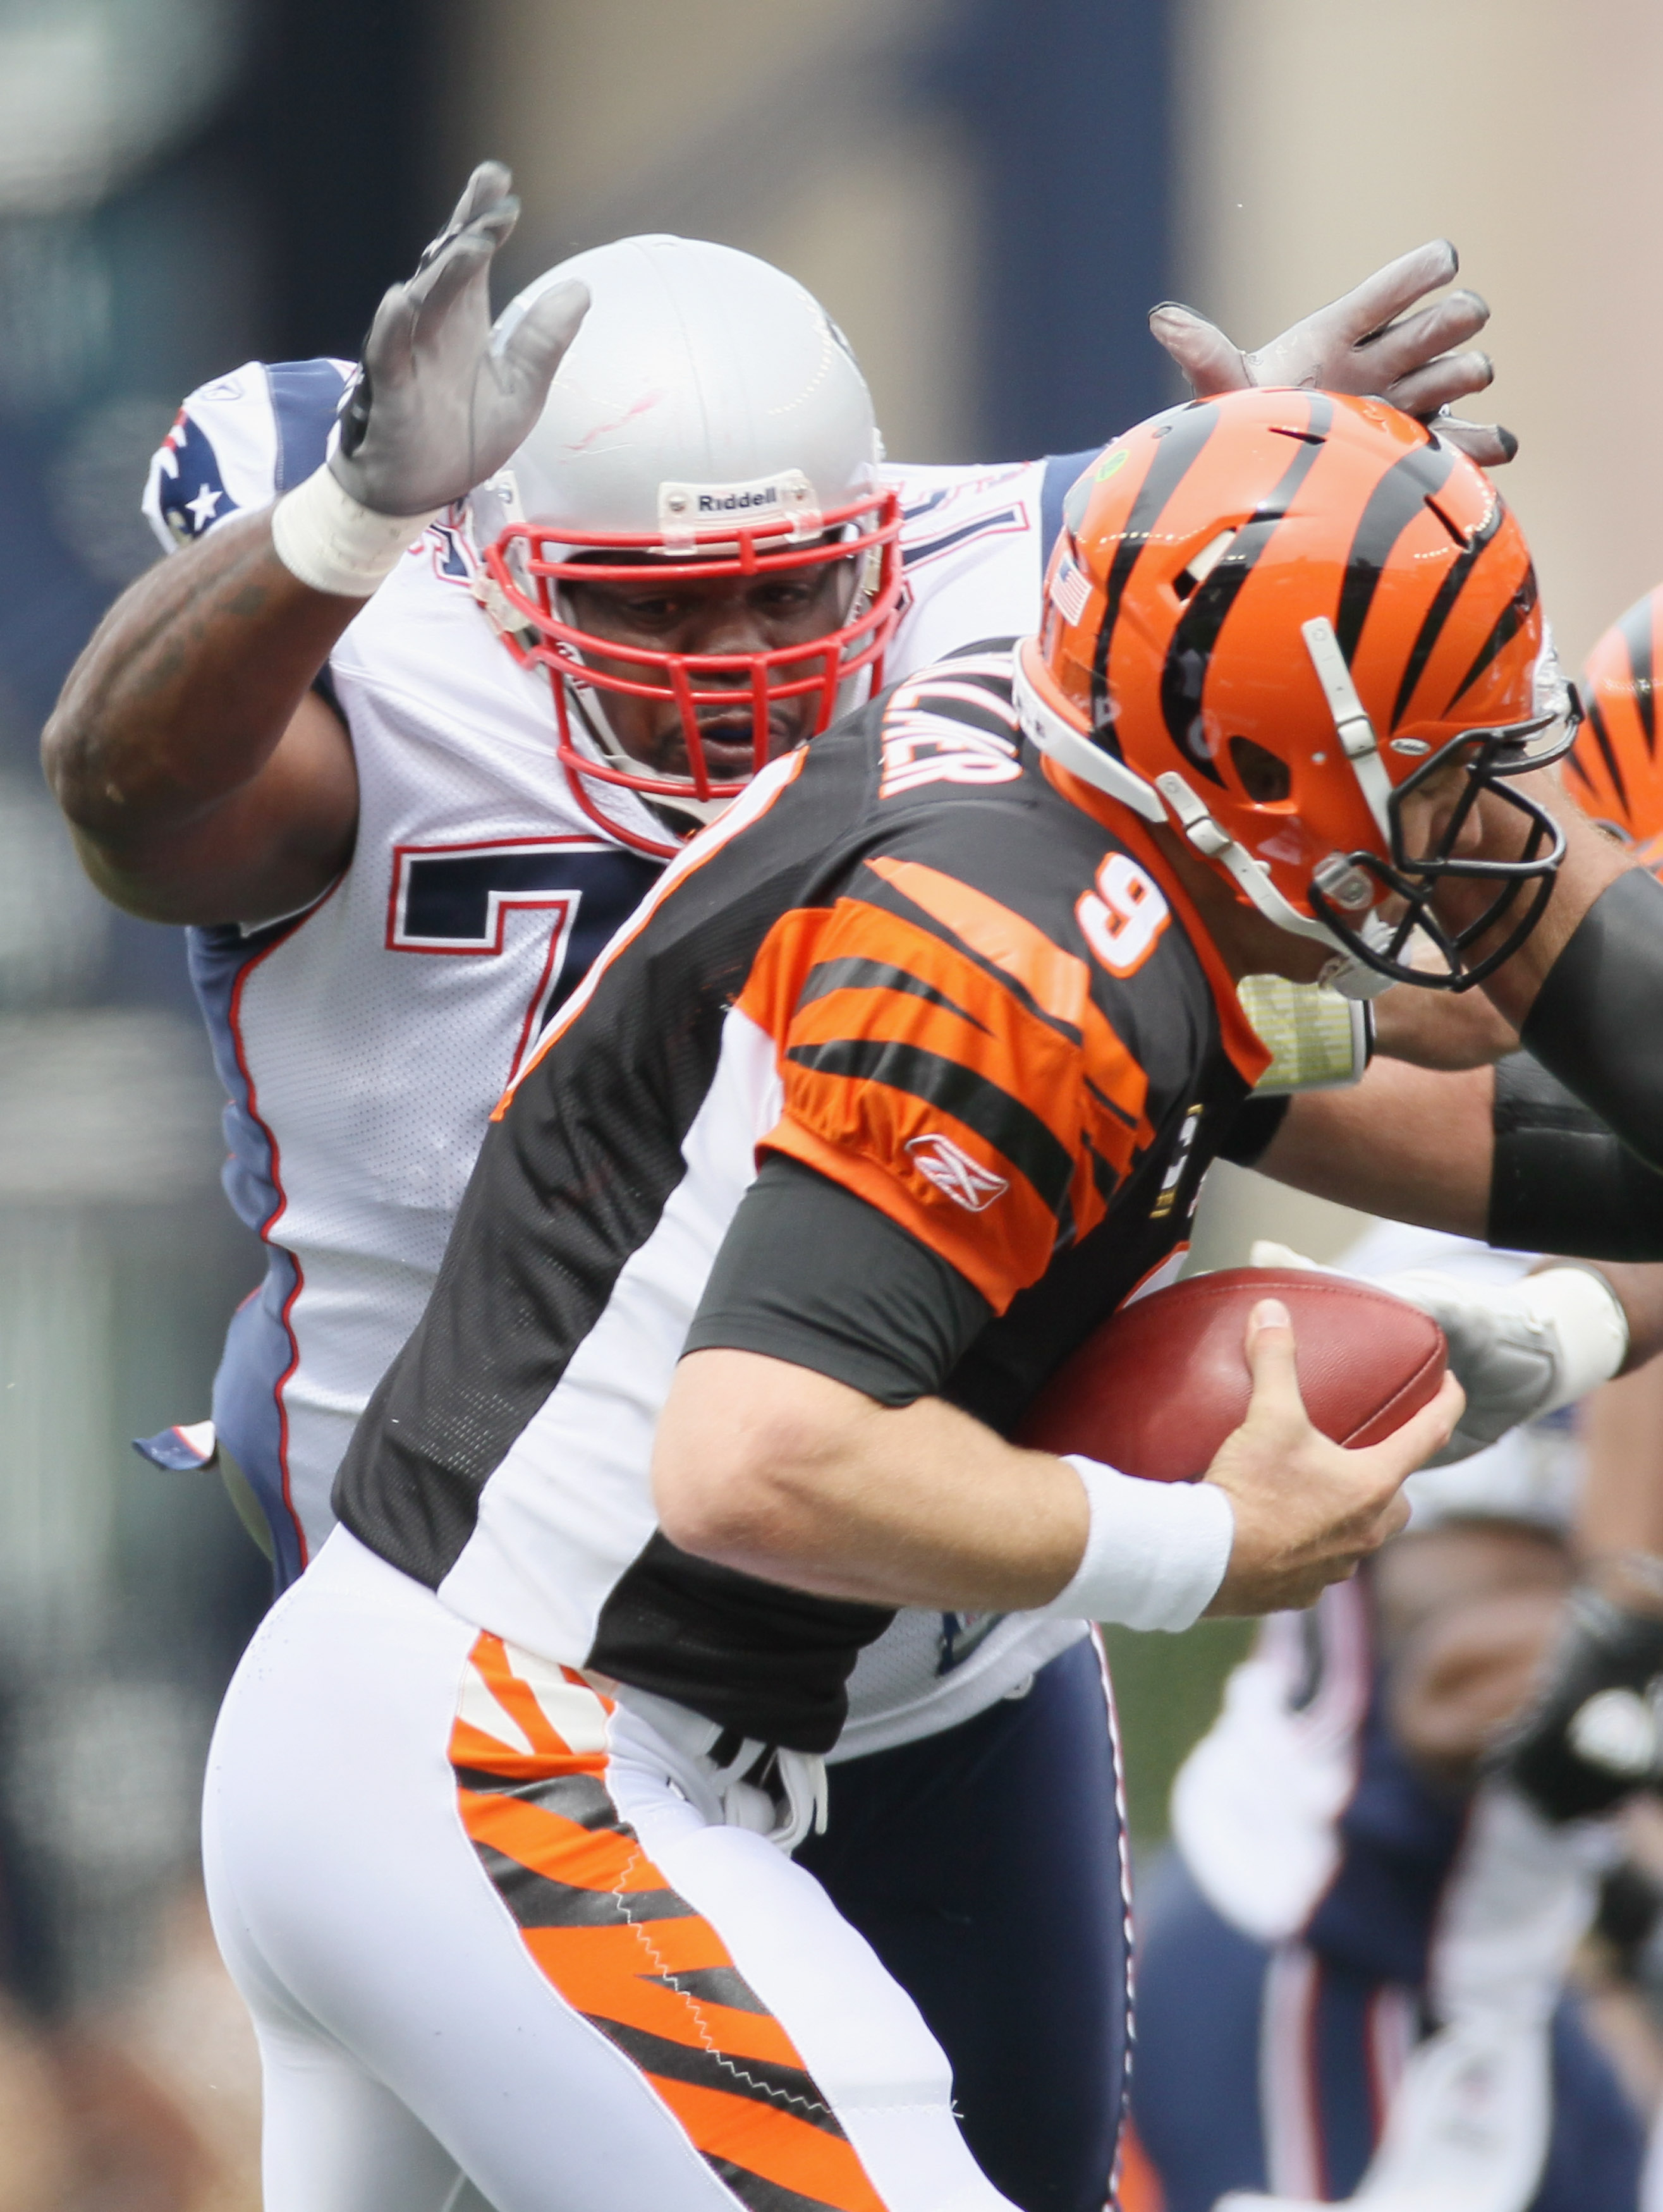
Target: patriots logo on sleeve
column 192, row 491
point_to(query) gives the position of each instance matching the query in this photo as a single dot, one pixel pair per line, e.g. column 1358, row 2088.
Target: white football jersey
column 363, row 1042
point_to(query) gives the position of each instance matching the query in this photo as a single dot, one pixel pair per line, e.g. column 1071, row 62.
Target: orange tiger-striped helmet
column 1271, row 615
column 1614, row 772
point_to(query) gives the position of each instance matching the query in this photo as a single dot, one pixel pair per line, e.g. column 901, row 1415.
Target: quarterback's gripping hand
column 1593, row 1734
column 1519, row 1349
column 442, row 398
column 1366, row 343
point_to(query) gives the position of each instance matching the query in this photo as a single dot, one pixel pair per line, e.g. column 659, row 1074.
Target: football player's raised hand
column 1369, row 341
column 1306, row 1509
column 442, row 398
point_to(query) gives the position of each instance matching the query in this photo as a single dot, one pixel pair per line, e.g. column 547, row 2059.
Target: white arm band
column 334, row 543
column 1155, row 1552
column 1585, row 1318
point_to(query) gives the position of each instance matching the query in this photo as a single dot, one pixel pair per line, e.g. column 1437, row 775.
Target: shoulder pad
column 239, row 441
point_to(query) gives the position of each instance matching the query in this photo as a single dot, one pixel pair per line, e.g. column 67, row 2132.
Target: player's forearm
column 785, row 1474
column 1411, row 1143
column 1591, row 863
column 186, row 689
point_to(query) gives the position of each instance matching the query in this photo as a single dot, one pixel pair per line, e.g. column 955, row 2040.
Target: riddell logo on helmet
column 684, row 508
column 954, row 1174
column 712, row 502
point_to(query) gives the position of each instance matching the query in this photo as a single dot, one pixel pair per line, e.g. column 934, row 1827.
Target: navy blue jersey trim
column 1006, row 516
column 1062, row 471
column 305, row 397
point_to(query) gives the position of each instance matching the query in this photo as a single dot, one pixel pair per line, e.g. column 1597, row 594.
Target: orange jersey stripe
column 999, row 1259
column 1056, row 981
column 921, row 1044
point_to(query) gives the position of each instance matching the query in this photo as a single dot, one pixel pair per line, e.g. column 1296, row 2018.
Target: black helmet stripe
column 1393, row 505
column 1189, row 653
column 1608, row 754
column 1636, row 629
column 1443, row 606
column 1190, row 429
column 1508, row 623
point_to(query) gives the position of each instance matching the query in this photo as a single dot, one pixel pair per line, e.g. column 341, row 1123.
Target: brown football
column 1157, row 1389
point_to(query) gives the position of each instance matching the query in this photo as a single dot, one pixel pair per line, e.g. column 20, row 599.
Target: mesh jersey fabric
column 893, row 961
column 363, row 1044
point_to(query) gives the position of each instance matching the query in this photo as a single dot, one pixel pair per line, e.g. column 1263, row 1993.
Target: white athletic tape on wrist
column 334, row 543
column 1588, row 1320
column 1155, row 1552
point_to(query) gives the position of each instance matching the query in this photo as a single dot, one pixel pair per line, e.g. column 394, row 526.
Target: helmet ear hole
column 1266, row 780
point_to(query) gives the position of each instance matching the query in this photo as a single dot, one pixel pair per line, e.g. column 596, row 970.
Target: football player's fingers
column 1415, row 339
column 1488, row 443
column 386, row 353
column 1439, row 383
column 1269, row 1345
column 489, row 184
column 537, row 343
column 464, row 261
column 1209, row 359
column 1399, row 284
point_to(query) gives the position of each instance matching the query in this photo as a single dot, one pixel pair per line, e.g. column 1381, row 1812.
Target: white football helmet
column 709, row 412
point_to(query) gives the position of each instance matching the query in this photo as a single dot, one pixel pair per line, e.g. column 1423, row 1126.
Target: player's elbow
column 731, row 1499
column 735, row 1461
column 719, row 1512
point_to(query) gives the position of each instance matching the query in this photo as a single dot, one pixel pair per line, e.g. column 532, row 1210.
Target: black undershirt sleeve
column 811, row 1274
column 1597, row 1020
column 1560, row 1180
column 1256, row 1122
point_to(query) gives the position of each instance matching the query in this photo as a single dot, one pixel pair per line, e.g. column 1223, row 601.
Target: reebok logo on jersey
column 954, row 1174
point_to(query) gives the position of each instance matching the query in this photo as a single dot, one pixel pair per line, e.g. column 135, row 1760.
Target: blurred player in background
column 403, row 820
column 1356, row 1962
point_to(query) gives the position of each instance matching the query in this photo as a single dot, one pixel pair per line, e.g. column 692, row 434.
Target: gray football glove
column 442, row 398
column 1356, row 345
column 1519, row 1349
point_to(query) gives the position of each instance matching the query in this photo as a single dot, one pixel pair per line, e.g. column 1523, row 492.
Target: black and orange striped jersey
column 941, row 990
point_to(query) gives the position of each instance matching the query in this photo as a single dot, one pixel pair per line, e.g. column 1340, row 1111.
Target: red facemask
column 529, row 562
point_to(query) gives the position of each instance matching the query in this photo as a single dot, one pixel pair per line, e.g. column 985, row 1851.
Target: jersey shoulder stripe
column 239, row 441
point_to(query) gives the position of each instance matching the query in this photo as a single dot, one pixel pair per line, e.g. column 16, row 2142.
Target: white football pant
column 499, row 1944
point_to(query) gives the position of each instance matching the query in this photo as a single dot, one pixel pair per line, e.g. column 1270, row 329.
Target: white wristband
column 1588, row 1324
column 334, row 543
column 1155, row 1552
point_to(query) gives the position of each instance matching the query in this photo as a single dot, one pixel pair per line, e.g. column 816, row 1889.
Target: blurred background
column 989, row 195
